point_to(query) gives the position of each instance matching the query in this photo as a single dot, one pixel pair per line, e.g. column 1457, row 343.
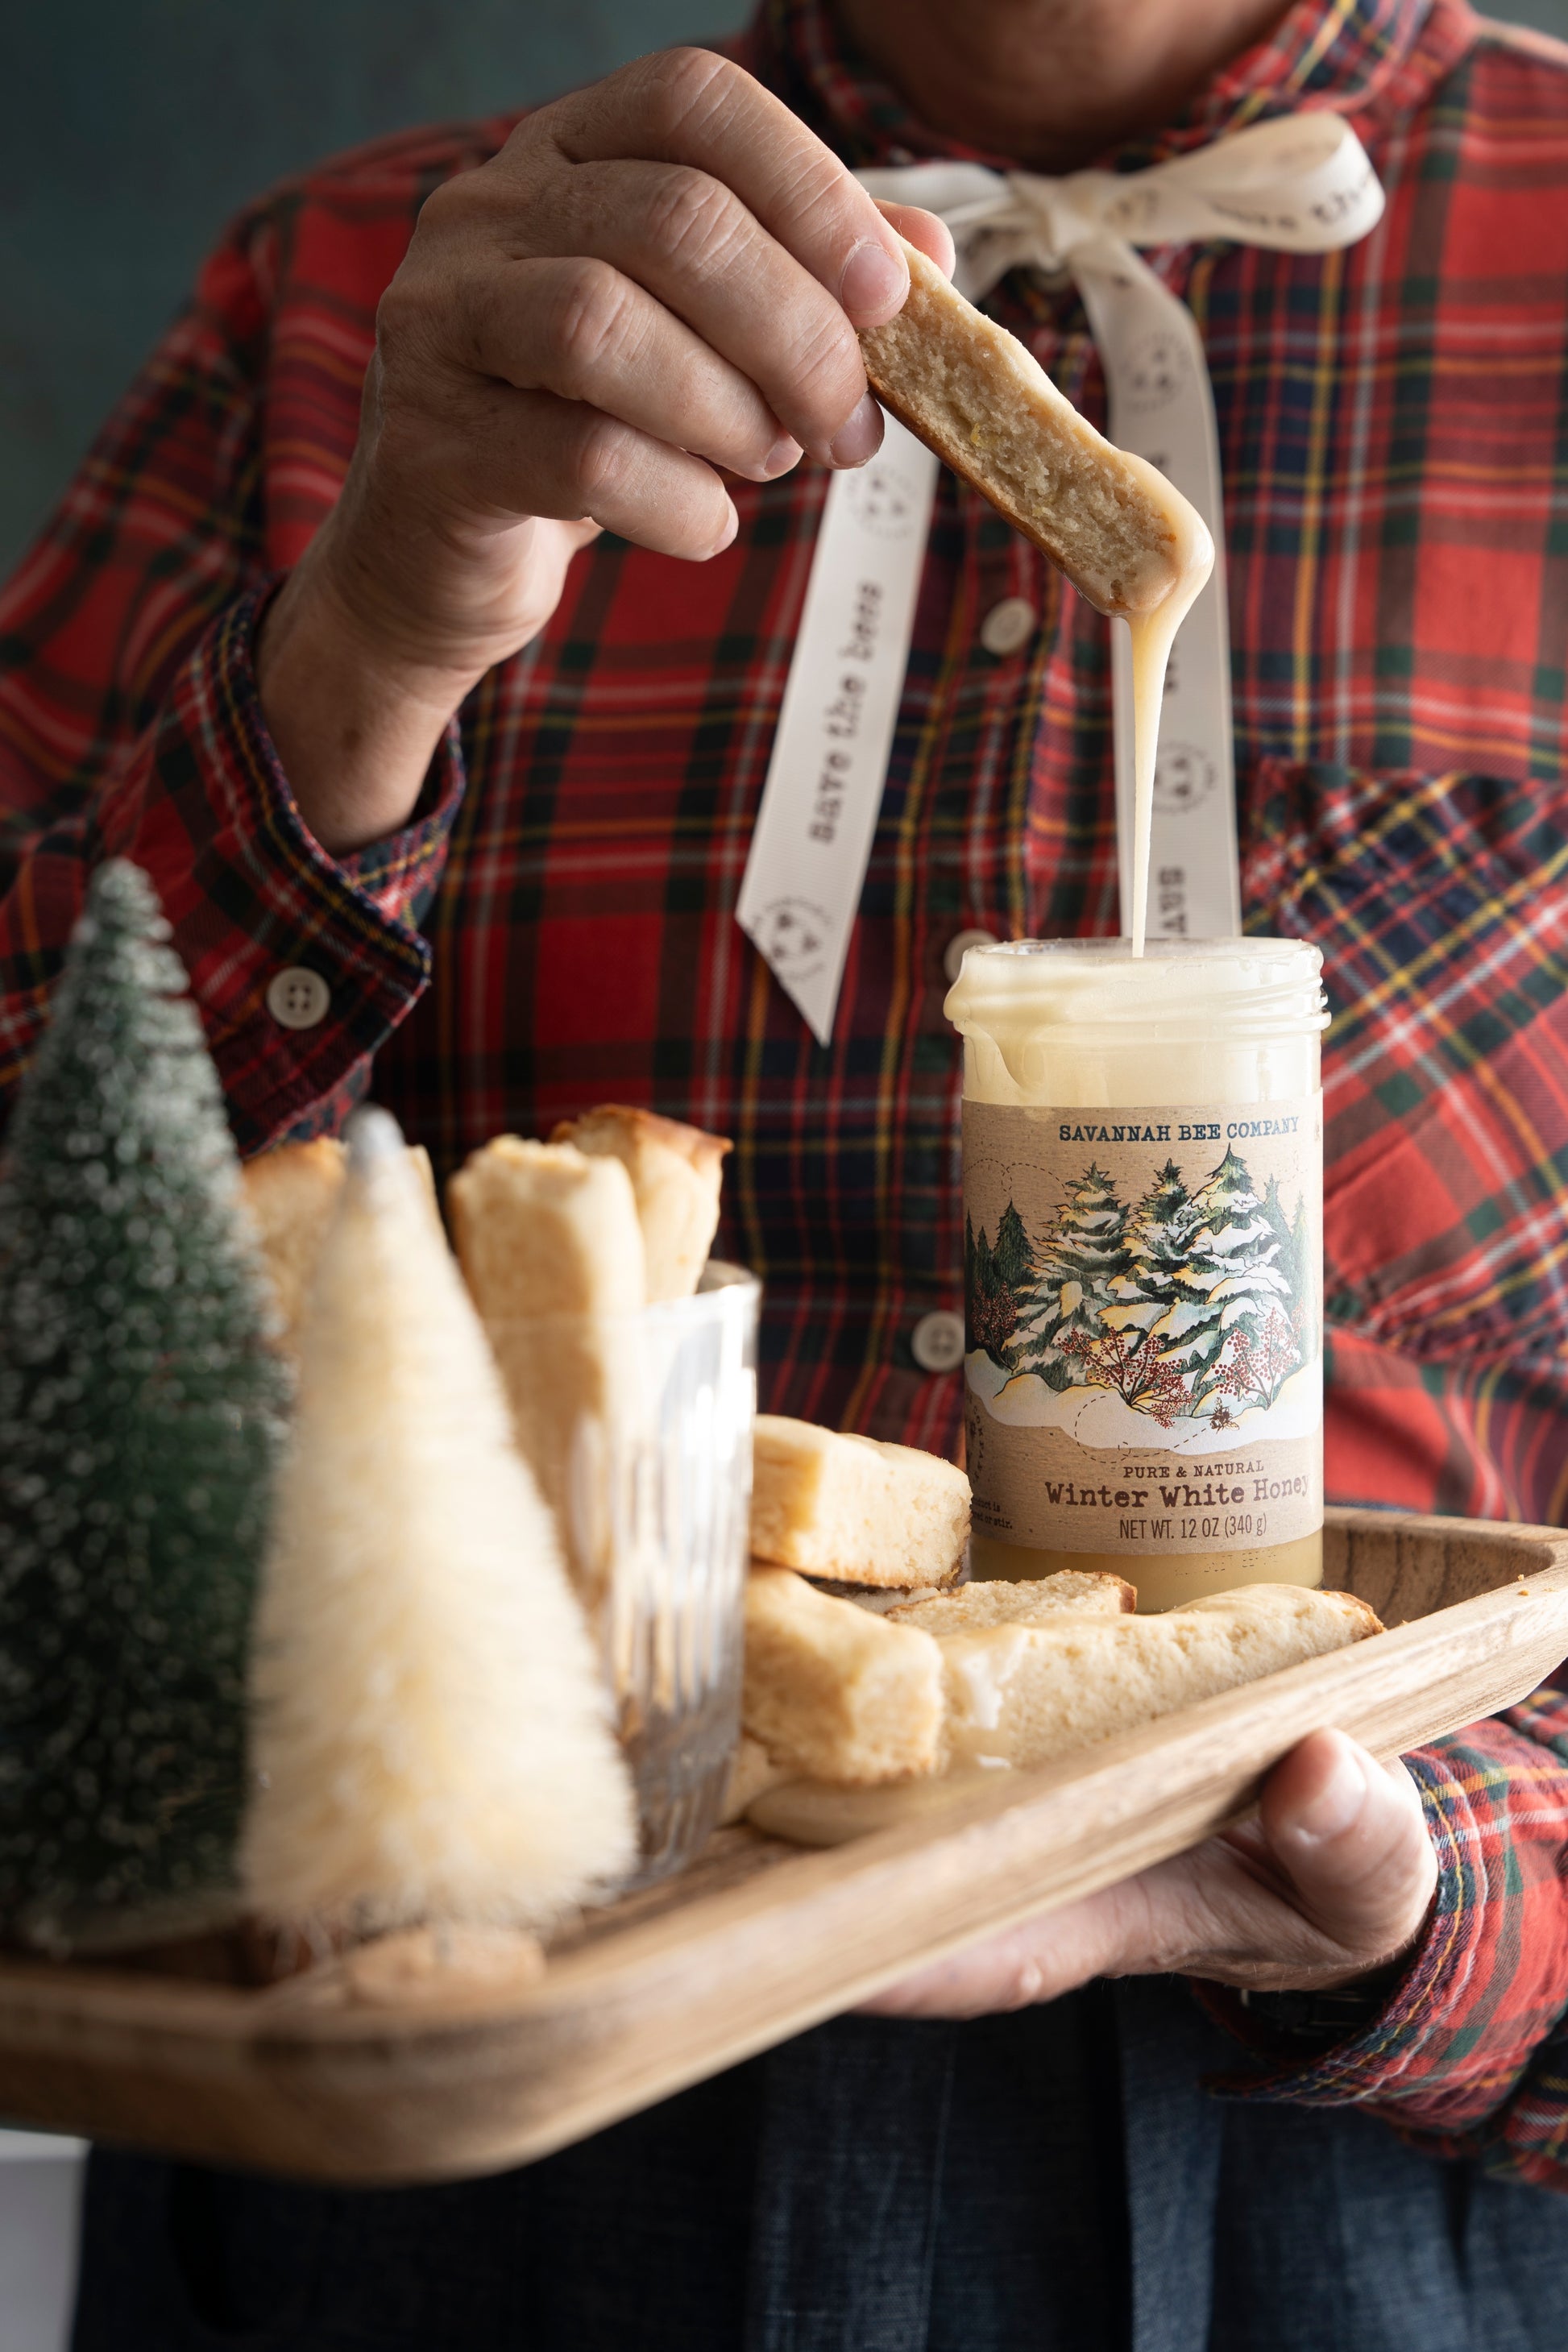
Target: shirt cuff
column 205, row 810
column 1454, row 2037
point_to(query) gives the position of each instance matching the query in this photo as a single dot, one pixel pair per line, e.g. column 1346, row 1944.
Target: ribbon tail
column 806, row 867
column 815, row 998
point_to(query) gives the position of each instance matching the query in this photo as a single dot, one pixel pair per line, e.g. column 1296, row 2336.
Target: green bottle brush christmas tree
column 141, row 1413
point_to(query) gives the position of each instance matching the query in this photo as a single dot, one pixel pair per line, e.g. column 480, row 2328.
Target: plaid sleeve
column 129, row 726
column 1469, row 2056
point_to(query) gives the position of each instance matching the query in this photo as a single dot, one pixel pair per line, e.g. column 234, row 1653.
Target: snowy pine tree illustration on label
column 1142, row 1282
column 1143, row 1363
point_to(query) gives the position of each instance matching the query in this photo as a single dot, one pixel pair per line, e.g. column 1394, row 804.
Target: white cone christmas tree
column 430, row 1737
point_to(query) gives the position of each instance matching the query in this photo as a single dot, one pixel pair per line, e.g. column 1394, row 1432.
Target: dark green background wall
column 131, row 129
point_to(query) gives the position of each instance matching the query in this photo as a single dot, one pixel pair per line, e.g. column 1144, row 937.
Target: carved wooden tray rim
column 761, row 1940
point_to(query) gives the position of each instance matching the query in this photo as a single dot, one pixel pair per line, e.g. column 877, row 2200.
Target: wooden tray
column 759, row 1939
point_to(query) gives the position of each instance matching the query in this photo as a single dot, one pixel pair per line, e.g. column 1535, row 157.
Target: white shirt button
column 936, row 1342
column 1008, row 626
column 959, row 946
column 298, row 998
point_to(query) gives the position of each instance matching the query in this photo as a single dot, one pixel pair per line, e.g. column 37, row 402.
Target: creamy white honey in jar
column 1143, row 1183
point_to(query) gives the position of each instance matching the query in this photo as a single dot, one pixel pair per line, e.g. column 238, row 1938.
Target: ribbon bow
column 1302, row 184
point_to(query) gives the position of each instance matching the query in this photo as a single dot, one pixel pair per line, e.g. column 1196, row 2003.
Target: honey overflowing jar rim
column 1089, row 989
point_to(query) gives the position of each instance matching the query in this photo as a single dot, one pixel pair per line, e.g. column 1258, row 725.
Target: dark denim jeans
column 1057, row 2181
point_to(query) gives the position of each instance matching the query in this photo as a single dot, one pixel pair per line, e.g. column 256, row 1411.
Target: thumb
column 926, row 231
column 1349, row 1836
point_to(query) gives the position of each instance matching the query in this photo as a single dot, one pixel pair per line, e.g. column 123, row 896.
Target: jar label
column 1143, row 1298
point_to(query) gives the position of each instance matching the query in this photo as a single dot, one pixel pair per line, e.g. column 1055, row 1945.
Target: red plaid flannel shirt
column 556, row 926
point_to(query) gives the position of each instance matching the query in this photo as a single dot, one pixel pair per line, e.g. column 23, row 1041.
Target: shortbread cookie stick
column 973, row 393
column 1039, row 1601
column 419, row 1159
column 439, row 1968
column 676, row 1172
column 291, row 1193
column 752, row 1772
column 543, row 1230
column 855, row 1509
column 551, row 1248
column 834, row 1692
column 1024, row 1693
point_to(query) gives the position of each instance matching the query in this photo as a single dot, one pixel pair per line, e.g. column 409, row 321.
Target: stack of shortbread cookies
column 567, row 1239
column 870, row 1663
column 564, row 1241
column 870, row 1682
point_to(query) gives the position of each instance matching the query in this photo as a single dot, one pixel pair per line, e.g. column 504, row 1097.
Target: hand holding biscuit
column 657, row 281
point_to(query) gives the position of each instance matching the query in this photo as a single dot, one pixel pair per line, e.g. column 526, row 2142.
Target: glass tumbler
column 639, row 1428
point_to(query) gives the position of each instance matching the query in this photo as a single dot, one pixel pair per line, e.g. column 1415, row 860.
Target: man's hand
column 656, row 281
column 1334, row 1878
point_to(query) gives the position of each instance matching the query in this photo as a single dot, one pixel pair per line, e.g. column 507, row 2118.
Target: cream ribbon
column 1300, row 185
